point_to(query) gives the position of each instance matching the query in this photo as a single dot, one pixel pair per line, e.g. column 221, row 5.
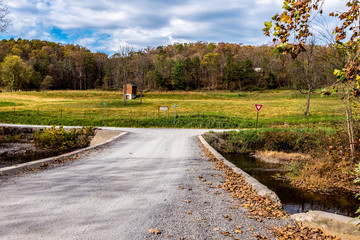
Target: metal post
column 174, row 115
column 257, row 119
column 104, row 115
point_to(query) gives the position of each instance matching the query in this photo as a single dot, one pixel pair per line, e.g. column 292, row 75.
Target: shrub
column 294, row 169
column 61, row 140
column 279, row 141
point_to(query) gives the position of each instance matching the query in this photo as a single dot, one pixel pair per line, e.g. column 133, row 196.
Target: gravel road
column 150, row 179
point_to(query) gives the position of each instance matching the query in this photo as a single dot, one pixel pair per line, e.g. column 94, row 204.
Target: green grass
column 196, row 109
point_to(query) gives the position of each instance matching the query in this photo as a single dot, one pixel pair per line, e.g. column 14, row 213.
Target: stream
column 294, row 200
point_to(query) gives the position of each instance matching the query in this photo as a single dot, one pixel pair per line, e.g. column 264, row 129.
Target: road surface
column 146, row 180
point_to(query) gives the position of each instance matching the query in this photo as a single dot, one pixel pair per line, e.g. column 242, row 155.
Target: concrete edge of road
column 330, row 223
column 12, row 170
column 261, row 189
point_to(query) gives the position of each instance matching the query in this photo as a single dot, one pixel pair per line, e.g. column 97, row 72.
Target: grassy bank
column 325, row 164
column 196, row 109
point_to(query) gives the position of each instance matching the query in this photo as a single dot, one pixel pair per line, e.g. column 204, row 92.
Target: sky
column 105, row 25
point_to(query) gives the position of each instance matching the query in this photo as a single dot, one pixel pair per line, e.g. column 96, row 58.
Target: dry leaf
column 154, row 231
column 226, row 233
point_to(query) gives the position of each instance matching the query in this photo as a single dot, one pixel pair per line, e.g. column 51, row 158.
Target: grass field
column 196, row 109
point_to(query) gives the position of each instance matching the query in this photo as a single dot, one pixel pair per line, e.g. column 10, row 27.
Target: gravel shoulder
column 201, row 209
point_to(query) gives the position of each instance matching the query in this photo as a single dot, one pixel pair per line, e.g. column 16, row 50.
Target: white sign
column 163, row 108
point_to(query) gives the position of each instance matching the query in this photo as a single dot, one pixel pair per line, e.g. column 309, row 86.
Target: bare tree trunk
column 307, row 113
column 125, row 90
column 141, row 95
column 349, row 121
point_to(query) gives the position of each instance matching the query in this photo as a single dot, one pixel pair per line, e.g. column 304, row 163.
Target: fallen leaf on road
column 154, row 231
column 227, row 217
column 187, row 201
column 258, row 237
column 216, row 229
column 300, row 232
column 181, row 187
column 237, row 229
column 202, row 220
column 226, row 233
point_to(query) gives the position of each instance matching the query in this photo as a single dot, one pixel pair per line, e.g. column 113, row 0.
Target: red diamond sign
column 258, row 107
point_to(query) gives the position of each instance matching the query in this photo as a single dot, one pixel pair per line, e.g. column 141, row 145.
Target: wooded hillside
column 36, row 64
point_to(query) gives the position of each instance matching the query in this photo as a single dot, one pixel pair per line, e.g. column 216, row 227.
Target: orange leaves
column 237, row 229
column 225, row 233
column 301, row 232
column 236, row 185
column 155, row 231
column 227, row 217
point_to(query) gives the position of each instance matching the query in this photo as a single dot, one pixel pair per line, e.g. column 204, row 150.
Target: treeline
column 36, row 64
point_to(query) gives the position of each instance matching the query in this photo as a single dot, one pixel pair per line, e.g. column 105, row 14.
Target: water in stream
column 294, row 200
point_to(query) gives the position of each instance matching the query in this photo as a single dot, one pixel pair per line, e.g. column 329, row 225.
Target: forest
column 43, row 65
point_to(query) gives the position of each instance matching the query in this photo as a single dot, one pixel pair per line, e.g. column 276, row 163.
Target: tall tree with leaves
column 178, row 75
column 142, row 66
column 295, row 22
column 13, row 72
column 211, row 64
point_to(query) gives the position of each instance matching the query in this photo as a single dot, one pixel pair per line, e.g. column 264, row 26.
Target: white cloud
column 105, row 25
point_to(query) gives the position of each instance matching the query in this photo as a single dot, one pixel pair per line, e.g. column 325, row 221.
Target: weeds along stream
column 294, row 200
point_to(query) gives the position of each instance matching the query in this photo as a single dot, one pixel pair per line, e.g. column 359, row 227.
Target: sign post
column 104, row 114
column 163, row 109
column 174, row 106
column 258, row 108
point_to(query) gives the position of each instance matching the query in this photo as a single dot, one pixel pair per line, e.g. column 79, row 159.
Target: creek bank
column 294, row 200
column 260, row 205
column 317, row 161
column 18, row 145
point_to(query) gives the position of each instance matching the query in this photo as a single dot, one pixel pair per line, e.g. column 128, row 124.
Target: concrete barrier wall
column 261, row 189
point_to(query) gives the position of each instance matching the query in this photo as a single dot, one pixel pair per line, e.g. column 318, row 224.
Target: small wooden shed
column 130, row 91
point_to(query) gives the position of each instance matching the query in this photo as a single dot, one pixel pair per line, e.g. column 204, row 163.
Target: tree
column 230, row 73
column 100, row 63
column 295, row 22
column 142, row 66
column 179, row 75
column 211, row 63
column 310, row 80
column 48, row 83
column 13, row 72
column 124, row 66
